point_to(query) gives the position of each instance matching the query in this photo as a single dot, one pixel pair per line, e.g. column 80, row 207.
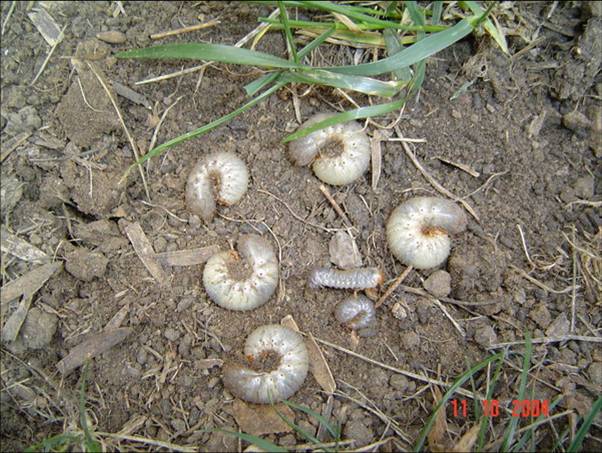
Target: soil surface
column 517, row 138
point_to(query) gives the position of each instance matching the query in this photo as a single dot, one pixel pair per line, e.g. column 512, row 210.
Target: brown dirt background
column 61, row 194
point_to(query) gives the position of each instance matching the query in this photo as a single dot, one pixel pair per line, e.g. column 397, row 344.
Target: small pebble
column 399, row 382
column 410, row 339
column 485, row 336
column 438, row 283
column 343, row 251
column 595, row 373
column 559, row 327
column 399, row 311
column 171, row 334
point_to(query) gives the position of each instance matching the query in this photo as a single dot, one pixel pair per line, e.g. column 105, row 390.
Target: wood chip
column 468, row 440
column 436, row 437
column 145, row 252
column 376, row 151
column 92, row 347
column 14, row 245
column 27, row 284
column 189, row 257
column 206, row 364
column 118, row 318
column 466, row 168
column 46, row 25
column 112, row 37
column 257, row 420
column 317, row 363
column 131, row 95
column 8, row 146
column 15, row 321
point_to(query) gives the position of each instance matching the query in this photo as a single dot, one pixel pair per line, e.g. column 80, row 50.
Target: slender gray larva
column 242, row 285
column 338, row 154
column 417, row 231
column 270, row 385
column 357, row 313
column 220, row 177
column 360, row 278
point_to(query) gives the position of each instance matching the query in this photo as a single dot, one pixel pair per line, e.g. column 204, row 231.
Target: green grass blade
column 519, row 446
column 91, row 445
column 413, row 54
column 495, row 33
column 437, row 10
column 358, row 9
column 488, row 397
column 419, row 446
column 360, row 84
column 509, row 434
column 587, row 423
column 350, row 115
column 210, row 52
column 334, row 431
column 266, row 79
column 305, row 24
column 307, row 436
column 393, row 46
column 290, row 41
column 264, row 444
column 418, row 17
column 257, row 84
column 60, row 442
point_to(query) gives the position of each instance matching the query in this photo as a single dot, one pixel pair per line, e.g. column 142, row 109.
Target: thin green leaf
column 519, row 446
column 333, row 430
column 393, row 46
column 210, row 52
column 358, row 9
column 418, row 17
column 413, row 54
column 437, row 10
column 350, row 115
column 307, row 436
column 419, row 445
column 494, row 31
column 91, row 445
column 509, row 434
column 266, row 79
column 258, row 441
column 257, row 84
column 484, row 419
column 287, row 32
column 585, row 426
column 60, row 442
column 307, row 24
column 360, row 84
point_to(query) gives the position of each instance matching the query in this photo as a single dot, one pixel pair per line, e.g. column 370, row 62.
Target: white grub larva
column 220, row 177
column 360, row 278
column 417, row 231
column 242, row 283
column 339, row 154
column 357, row 313
column 278, row 365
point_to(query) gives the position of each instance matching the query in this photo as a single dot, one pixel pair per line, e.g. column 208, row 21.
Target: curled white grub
column 357, row 313
column 243, row 280
column 339, row 154
column 417, row 231
column 360, row 278
column 277, row 366
column 220, row 177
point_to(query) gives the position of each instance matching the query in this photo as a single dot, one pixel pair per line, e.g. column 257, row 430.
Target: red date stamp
column 491, row 408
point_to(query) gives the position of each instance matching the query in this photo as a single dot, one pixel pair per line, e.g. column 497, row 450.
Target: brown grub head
column 333, row 147
column 265, row 362
column 432, row 231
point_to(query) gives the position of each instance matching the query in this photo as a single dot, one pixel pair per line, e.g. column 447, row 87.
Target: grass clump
column 393, row 27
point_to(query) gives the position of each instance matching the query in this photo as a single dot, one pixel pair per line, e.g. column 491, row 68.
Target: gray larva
column 360, row 278
column 357, row 313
